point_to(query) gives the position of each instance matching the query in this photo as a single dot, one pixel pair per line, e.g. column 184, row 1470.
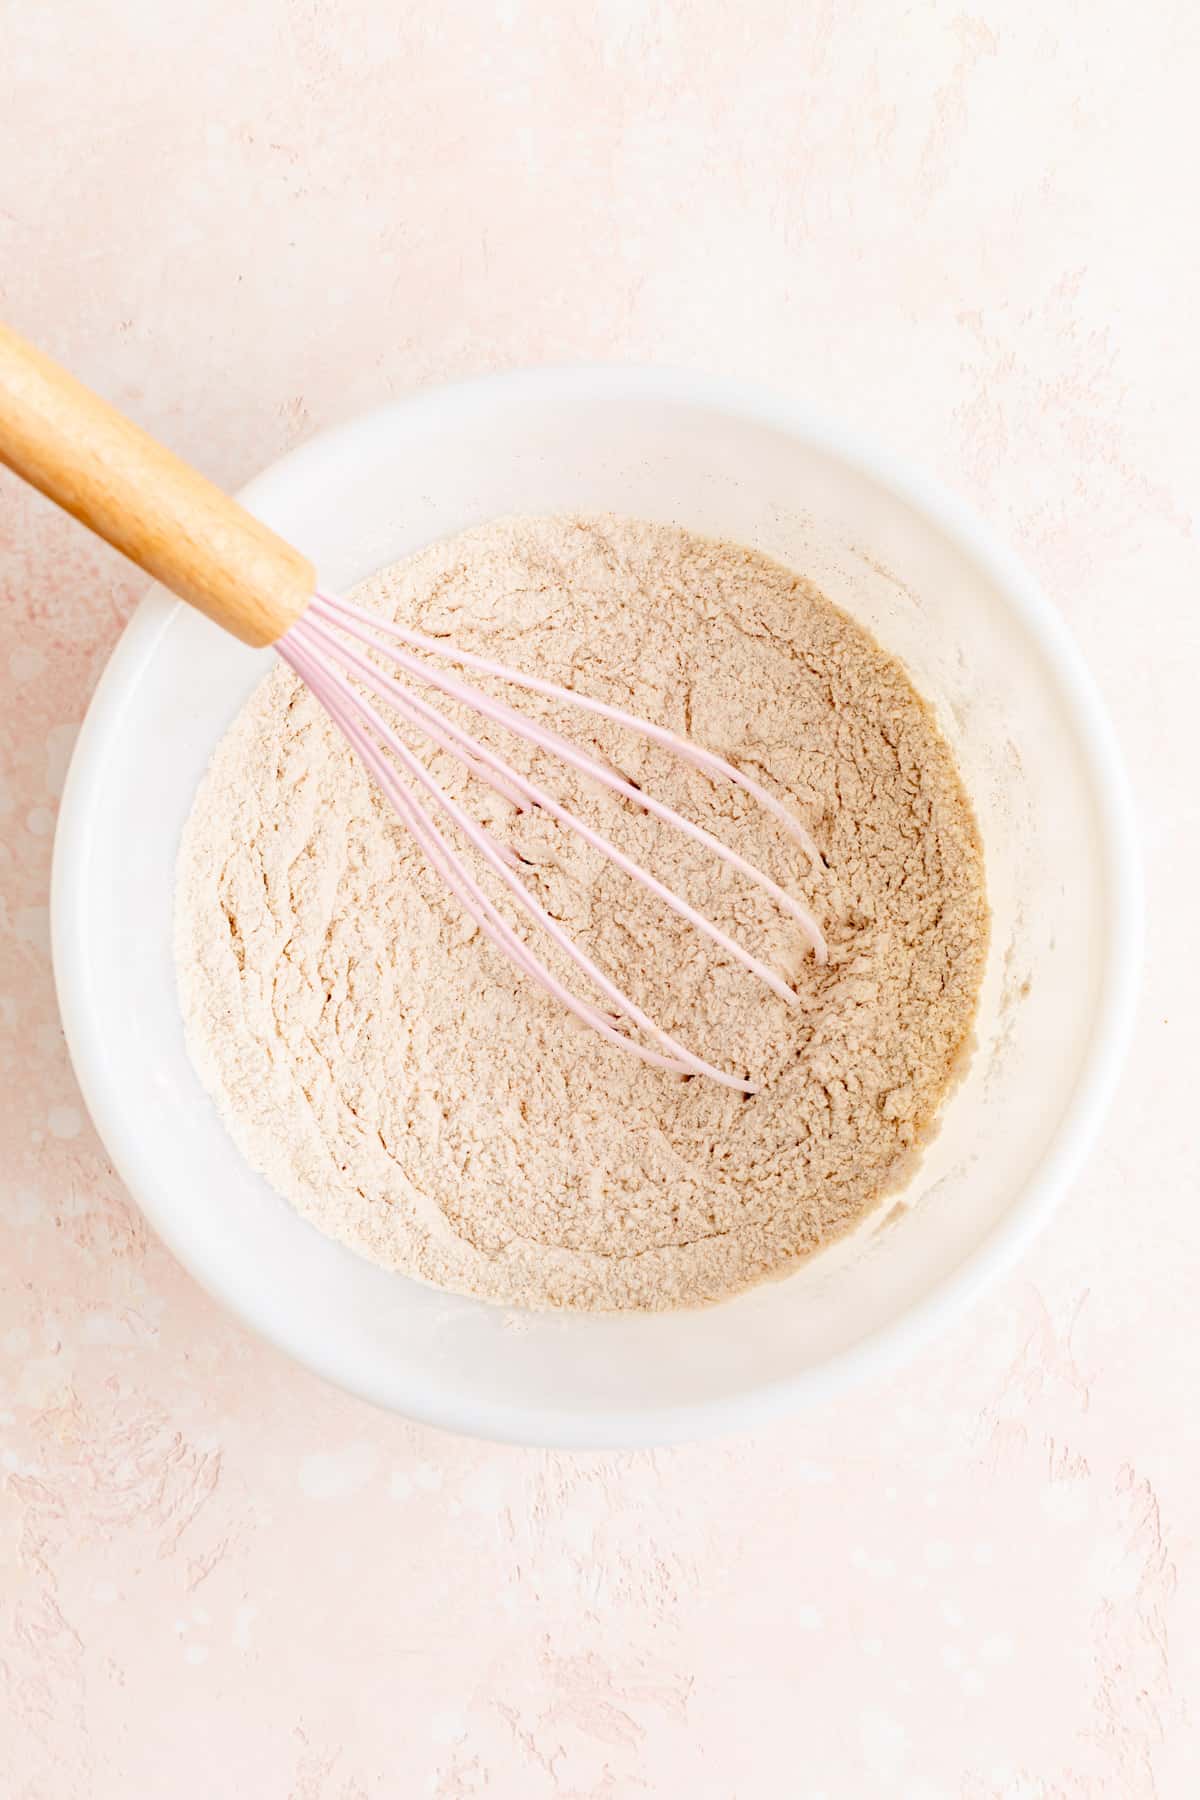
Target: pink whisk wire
column 328, row 665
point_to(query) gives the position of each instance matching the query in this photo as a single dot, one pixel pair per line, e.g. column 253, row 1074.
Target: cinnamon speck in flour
column 412, row 1094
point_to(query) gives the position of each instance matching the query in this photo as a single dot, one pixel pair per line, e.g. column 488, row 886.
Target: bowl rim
column 1117, row 986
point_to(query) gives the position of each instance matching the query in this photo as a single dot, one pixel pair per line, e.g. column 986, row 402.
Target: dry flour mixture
column 398, row 1081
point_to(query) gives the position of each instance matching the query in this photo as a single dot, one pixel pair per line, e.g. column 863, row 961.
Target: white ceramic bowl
column 1037, row 754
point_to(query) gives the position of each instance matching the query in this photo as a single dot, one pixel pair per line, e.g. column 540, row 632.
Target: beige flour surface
column 406, row 1089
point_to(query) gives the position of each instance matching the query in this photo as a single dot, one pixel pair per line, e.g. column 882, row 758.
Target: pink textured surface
column 970, row 233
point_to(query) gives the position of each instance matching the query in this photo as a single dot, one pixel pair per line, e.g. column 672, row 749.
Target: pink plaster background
column 972, row 231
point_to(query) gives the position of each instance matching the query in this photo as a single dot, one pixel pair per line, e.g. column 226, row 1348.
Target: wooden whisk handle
column 98, row 465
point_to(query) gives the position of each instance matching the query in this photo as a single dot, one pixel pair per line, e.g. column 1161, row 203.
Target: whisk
column 374, row 678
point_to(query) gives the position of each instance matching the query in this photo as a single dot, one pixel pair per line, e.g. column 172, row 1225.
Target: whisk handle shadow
column 97, row 465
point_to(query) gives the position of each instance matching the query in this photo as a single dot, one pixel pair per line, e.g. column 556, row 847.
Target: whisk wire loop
column 317, row 650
